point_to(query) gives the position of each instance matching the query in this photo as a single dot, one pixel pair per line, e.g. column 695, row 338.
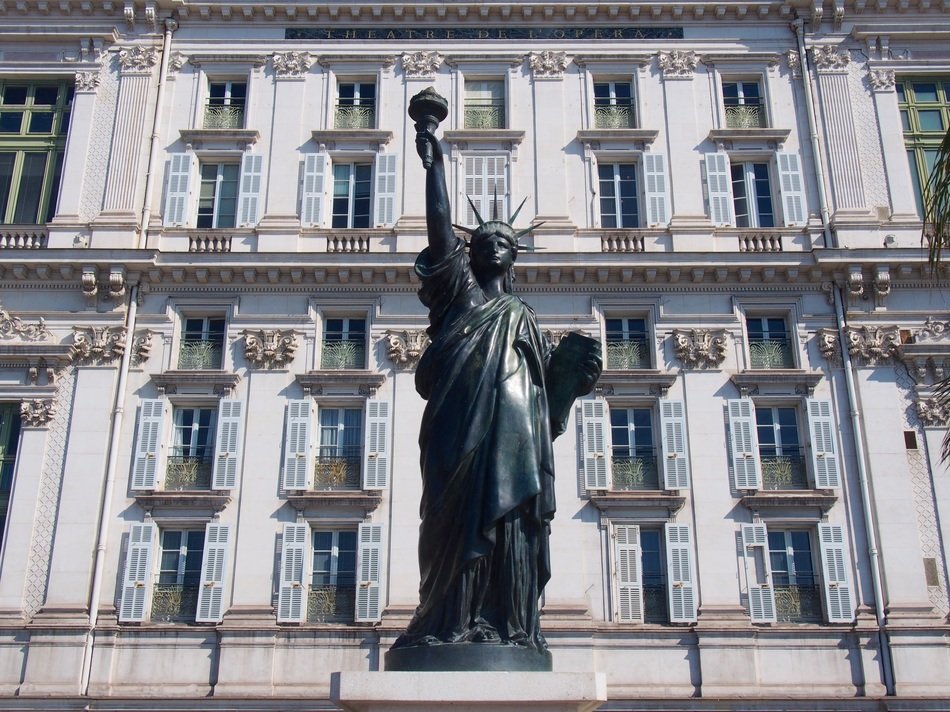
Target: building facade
column 209, row 216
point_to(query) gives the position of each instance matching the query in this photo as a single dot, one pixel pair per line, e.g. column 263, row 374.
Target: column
column 897, row 169
column 549, row 110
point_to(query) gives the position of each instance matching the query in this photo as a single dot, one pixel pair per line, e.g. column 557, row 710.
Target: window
column 339, row 569
column 356, row 107
column 226, row 104
column 925, row 115
column 652, row 573
column 484, row 104
column 341, row 448
column 228, row 192
column 352, row 188
column 188, row 577
column 780, row 452
column 190, row 457
column 364, row 194
column 613, row 106
column 34, row 120
column 344, row 343
column 619, row 195
column 743, row 104
column 752, row 195
column 218, row 197
column 633, row 452
column 486, row 185
column 9, row 441
column 202, row 343
column 797, row 597
column 770, row 343
column 627, row 344
column 741, row 192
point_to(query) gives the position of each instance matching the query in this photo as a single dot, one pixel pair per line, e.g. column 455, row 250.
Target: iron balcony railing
column 223, row 116
column 784, row 472
column 355, row 116
column 481, row 114
column 331, row 603
column 187, row 472
column 746, row 116
column 199, row 355
column 655, row 603
column 348, row 353
column 614, row 116
column 174, row 602
column 635, row 473
column 798, row 603
column 627, row 354
column 337, row 468
column 771, row 353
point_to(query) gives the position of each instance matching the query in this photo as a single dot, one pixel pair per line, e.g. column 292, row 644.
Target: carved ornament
column 794, row 61
column 882, row 284
column 828, row 344
column 547, row 64
column 87, row 81
column 421, row 65
column 12, row 326
column 700, row 348
column 882, row 79
column 677, row 63
column 37, row 412
column 827, row 59
column 97, row 344
column 933, row 413
column 138, row 59
column 404, row 348
column 141, row 346
column 874, row 345
column 291, row 65
column 932, row 330
column 176, row 61
column 269, row 348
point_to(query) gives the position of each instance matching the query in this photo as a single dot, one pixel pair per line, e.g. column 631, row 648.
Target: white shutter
column 227, row 444
column 385, row 194
column 656, row 190
column 496, row 186
column 474, row 182
column 148, row 444
column 176, row 189
column 211, row 593
column 292, row 594
column 719, row 188
column 824, row 459
column 595, row 429
column 376, row 445
column 138, row 569
column 368, row 590
column 758, row 573
column 673, row 445
column 793, row 193
column 834, row 569
column 679, row 573
column 627, row 552
column 249, row 197
column 314, row 189
column 297, row 455
column 745, row 444
column 485, row 176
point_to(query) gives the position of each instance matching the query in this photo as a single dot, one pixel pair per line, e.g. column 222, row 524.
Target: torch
column 428, row 108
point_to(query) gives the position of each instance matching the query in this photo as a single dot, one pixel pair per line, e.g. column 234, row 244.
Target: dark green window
column 925, row 116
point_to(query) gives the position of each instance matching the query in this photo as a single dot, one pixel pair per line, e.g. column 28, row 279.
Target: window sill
column 745, row 137
column 220, row 138
column 781, row 380
column 644, row 136
column 646, row 380
column 215, row 381
column 364, row 500
column 611, row 502
column 822, row 500
column 331, row 138
column 211, row 500
column 355, row 382
column 506, row 139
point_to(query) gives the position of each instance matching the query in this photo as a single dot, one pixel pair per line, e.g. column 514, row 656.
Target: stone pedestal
column 468, row 691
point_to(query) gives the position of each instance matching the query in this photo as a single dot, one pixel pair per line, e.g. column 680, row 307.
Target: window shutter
column 656, row 193
column 834, row 569
column 297, row 460
column 368, row 604
column 745, row 445
column 227, row 444
column 758, row 573
column 719, row 187
column 385, row 171
column 148, row 444
column 249, row 198
column 627, row 552
column 793, row 193
column 211, row 593
column 679, row 573
column 292, row 595
column 376, row 445
column 485, row 176
column 138, row 570
column 595, row 427
column 314, row 189
column 824, row 459
column 176, row 189
column 673, row 445
column 496, row 184
column 474, row 188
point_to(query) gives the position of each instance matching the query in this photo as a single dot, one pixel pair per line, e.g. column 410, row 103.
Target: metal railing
column 186, row 472
column 771, row 353
column 343, row 354
column 355, row 116
column 484, row 114
column 24, row 237
column 614, row 116
column 655, row 603
column 797, row 603
column 331, row 603
column 200, row 355
column 174, row 602
column 784, row 472
column 337, row 469
column 223, row 116
column 635, row 473
column 746, row 116
column 627, row 354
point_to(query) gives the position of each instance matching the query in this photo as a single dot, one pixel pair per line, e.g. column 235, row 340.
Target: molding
column 213, row 501
column 42, row 363
column 357, row 382
column 365, row 500
column 138, row 60
column 827, row 60
column 405, row 347
column 875, row 345
column 644, row 136
column 547, row 64
column 291, row 65
column 255, row 60
column 677, row 63
column 744, row 136
column 97, row 344
column 375, row 139
column 651, row 381
column 328, row 61
column 755, row 382
column 699, row 348
column 421, row 64
column 611, row 502
column 270, row 348
column 240, row 138
column 13, row 326
column 218, row 382
column 823, row 500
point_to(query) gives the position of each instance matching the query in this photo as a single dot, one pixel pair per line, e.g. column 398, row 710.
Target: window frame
column 351, row 218
column 617, row 182
column 471, row 100
column 345, row 332
column 750, row 194
column 227, row 100
column 790, row 331
column 741, row 80
column 920, row 143
column 369, row 106
column 206, row 316
column 10, row 428
column 635, row 451
column 647, row 358
column 633, row 120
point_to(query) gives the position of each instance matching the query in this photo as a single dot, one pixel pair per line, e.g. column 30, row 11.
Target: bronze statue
column 497, row 396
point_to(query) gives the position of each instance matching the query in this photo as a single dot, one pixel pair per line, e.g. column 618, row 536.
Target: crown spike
column 528, row 229
column 514, row 215
column 475, row 210
column 469, row 230
column 494, row 204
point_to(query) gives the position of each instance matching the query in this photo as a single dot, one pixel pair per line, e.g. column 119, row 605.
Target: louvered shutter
column 758, row 572
column 148, row 444
column 719, row 188
column 793, row 192
column 679, row 573
column 292, row 594
column 228, row 444
column 249, row 196
column 595, row 427
column 656, row 189
column 314, row 189
column 211, row 593
column 376, row 445
column 746, row 467
column 138, row 570
column 673, row 445
column 176, row 189
column 485, row 178
column 297, row 456
column 834, row 568
column 824, row 459
column 385, row 194
column 627, row 553
column 368, row 591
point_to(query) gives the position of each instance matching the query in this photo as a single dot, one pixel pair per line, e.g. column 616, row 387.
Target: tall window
column 742, row 101
column 218, row 198
column 226, row 104
column 484, row 104
column 202, row 343
column 626, row 343
column 925, row 115
column 356, row 108
column 797, row 594
column 34, row 119
column 175, row 595
column 613, row 105
column 341, row 448
column 9, row 440
column 633, row 449
column 619, row 196
column 344, row 343
column 770, row 345
column 654, row 576
column 752, row 195
column 189, row 462
column 352, row 191
column 783, row 466
column 333, row 581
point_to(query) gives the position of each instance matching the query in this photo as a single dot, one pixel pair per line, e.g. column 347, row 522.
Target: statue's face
column 492, row 252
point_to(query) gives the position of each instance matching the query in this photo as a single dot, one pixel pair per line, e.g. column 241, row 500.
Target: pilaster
column 897, row 169
column 547, row 71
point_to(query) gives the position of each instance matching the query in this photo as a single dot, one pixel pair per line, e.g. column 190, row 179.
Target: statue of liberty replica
column 497, row 395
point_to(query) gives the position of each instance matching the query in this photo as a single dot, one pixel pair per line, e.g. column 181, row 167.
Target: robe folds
column 487, row 463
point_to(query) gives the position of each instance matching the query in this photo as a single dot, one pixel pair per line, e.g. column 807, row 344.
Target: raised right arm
column 442, row 238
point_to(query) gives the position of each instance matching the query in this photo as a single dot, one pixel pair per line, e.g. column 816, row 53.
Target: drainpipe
column 170, row 26
column 857, row 429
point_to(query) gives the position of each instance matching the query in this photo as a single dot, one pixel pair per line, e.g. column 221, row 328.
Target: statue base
column 472, row 657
